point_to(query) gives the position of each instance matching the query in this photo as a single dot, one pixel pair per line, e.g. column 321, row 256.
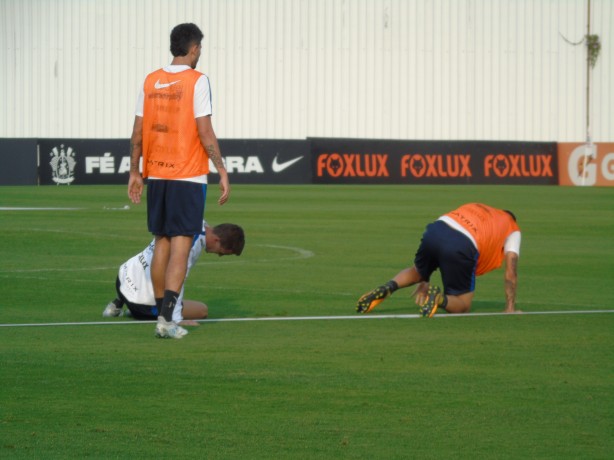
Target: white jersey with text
column 135, row 275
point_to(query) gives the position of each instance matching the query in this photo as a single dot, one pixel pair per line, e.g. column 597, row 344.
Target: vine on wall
column 593, row 45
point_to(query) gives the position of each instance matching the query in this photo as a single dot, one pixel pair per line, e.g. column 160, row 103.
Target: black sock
column 392, row 286
column 444, row 302
column 157, row 311
column 118, row 303
column 168, row 304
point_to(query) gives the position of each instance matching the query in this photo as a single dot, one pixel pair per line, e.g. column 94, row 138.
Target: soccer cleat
column 433, row 298
column 169, row 329
column 111, row 311
column 372, row 299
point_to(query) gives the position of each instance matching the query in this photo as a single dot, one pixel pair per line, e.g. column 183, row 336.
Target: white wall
column 399, row 69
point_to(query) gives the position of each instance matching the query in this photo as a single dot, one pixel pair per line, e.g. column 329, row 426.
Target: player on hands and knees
column 467, row 242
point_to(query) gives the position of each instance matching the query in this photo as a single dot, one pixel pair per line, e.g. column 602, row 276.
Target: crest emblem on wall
column 62, row 165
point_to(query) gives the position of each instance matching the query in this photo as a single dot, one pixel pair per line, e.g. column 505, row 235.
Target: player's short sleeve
column 512, row 243
column 202, row 97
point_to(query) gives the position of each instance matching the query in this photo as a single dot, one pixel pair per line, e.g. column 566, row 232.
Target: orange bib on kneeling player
column 489, row 227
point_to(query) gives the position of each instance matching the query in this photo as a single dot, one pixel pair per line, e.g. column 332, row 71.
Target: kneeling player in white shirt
column 135, row 288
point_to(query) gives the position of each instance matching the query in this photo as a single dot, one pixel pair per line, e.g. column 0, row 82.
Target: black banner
column 356, row 161
column 18, row 160
column 315, row 160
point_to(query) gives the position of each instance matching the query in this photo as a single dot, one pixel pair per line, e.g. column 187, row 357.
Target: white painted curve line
column 301, row 253
column 314, row 318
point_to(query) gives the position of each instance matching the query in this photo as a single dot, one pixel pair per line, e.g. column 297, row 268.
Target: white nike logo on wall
column 159, row 85
column 279, row 167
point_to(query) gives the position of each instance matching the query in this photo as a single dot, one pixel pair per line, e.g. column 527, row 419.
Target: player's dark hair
column 231, row 237
column 183, row 37
column 511, row 214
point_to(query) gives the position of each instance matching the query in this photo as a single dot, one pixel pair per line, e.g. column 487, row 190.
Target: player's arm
column 511, row 281
column 135, row 183
column 209, row 141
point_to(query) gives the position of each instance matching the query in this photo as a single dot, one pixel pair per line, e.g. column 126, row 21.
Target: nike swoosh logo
column 279, row 167
column 159, row 85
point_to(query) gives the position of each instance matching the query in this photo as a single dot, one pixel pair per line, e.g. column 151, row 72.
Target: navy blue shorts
column 142, row 312
column 453, row 253
column 175, row 207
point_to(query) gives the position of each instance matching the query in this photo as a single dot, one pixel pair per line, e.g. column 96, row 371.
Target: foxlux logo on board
column 506, row 165
column 352, row 165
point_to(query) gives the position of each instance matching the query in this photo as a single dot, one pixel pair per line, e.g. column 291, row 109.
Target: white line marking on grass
column 312, row 318
column 41, row 270
column 39, row 209
column 15, row 208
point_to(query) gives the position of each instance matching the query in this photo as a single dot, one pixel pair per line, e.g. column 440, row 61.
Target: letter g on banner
column 581, row 166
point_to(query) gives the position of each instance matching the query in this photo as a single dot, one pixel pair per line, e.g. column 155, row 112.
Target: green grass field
column 519, row 386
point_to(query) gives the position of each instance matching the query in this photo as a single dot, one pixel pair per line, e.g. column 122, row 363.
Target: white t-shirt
column 512, row 242
column 202, row 105
column 135, row 275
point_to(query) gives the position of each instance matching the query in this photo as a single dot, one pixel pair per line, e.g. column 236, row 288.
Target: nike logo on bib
column 159, row 85
column 279, row 167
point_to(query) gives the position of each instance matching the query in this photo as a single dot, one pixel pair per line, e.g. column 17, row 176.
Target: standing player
column 174, row 135
column 467, row 242
column 135, row 289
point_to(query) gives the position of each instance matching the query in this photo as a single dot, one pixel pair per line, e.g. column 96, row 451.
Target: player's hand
column 420, row 293
column 135, row 187
column 225, row 189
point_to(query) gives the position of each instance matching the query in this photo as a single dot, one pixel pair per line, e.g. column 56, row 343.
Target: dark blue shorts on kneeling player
column 175, row 207
column 452, row 252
